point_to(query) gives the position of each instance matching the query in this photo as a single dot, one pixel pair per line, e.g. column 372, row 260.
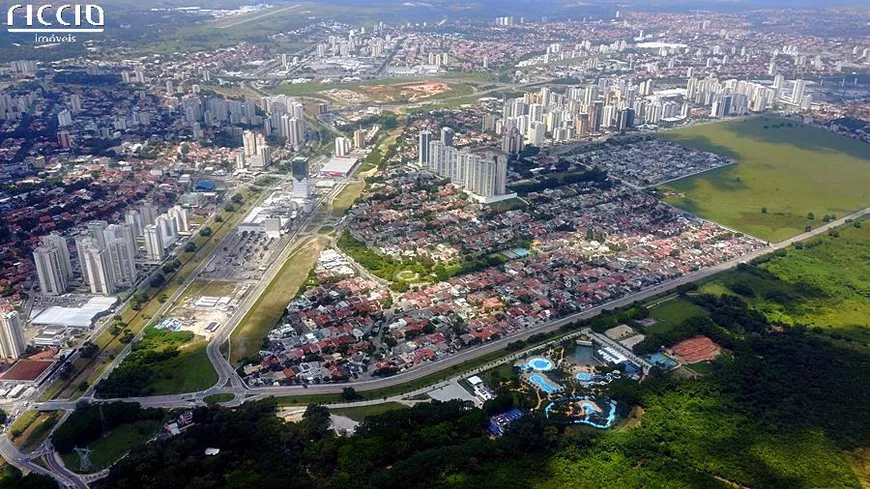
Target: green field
column 789, row 170
column 215, row 398
column 673, row 312
column 265, row 313
column 109, row 449
column 362, row 412
column 162, row 362
column 346, row 198
column 824, row 283
column 190, row 371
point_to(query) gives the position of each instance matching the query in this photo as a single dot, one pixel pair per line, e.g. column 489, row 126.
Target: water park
column 587, row 409
column 589, row 379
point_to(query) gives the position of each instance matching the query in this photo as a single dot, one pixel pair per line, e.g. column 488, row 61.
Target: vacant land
column 162, row 362
column 190, row 371
column 346, row 198
column 30, row 428
column 112, row 447
column 822, row 283
column 265, row 313
column 784, row 171
column 362, row 412
column 671, row 313
column 390, row 91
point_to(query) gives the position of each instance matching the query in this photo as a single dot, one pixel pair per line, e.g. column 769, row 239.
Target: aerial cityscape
column 435, row 244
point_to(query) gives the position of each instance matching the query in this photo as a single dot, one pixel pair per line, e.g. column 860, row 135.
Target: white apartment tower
column 58, row 242
column 12, row 342
column 154, row 242
column 99, row 269
column 121, row 250
column 50, row 270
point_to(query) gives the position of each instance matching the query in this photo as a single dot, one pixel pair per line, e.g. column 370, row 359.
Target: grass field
column 671, row 313
column 190, row 371
column 31, row 428
column 214, row 398
column 267, row 310
column 822, row 283
column 109, row 449
column 346, row 198
column 789, row 170
column 362, row 412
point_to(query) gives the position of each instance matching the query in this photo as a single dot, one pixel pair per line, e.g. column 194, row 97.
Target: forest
column 783, row 411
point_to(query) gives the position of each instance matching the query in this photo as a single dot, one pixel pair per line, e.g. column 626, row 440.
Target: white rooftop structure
column 74, row 317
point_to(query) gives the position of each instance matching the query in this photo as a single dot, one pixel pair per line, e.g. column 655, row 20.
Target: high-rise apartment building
column 12, row 341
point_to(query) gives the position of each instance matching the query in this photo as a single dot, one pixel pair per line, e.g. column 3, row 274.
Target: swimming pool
column 588, row 379
column 583, row 377
column 543, row 384
column 540, row 364
column 593, row 416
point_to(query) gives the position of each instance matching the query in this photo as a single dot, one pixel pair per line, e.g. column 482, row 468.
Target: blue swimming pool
column 543, row 384
column 593, row 416
column 540, row 364
column 587, row 379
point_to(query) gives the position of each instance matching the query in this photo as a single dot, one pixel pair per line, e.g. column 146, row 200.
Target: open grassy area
column 190, row 371
column 215, row 398
column 346, row 198
column 822, row 283
column 109, row 449
column 31, row 428
column 788, row 170
column 267, row 310
column 162, row 362
column 362, row 412
column 38, row 431
column 673, row 312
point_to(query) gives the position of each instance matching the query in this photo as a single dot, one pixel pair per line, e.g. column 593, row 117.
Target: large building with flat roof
column 339, row 166
column 75, row 317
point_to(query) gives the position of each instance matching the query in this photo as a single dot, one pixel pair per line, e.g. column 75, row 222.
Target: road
column 25, row 463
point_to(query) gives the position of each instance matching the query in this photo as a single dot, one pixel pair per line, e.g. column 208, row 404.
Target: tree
column 350, row 394
column 237, row 199
column 88, row 350
column 218, row 218
column 764, row 210
column 190, row 247
column 230, row 208
column 157, row 280
column 206, row 231
column 811, row 216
